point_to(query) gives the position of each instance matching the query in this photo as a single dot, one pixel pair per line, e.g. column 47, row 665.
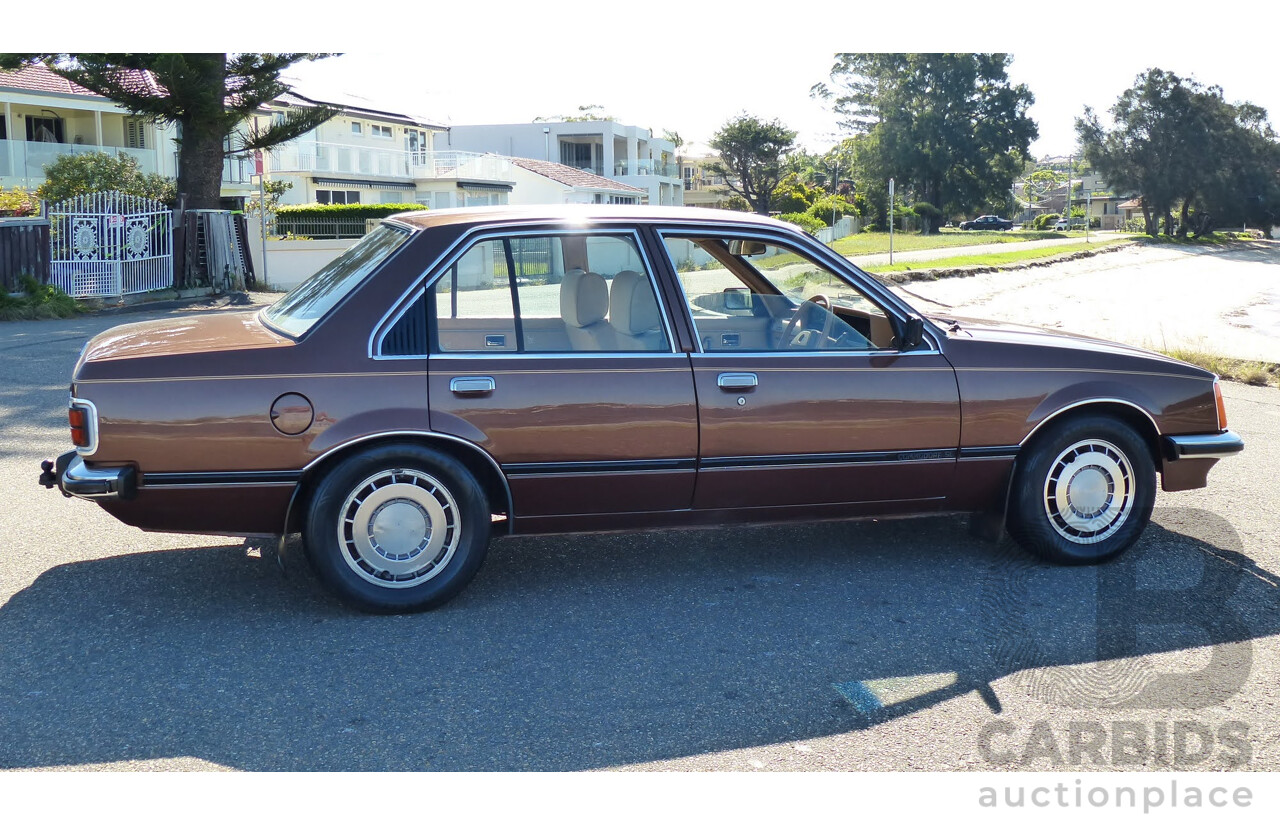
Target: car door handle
column 737, row 380
column 472, row 385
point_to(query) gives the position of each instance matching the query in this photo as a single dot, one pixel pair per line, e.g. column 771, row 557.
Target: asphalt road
column 892, row 645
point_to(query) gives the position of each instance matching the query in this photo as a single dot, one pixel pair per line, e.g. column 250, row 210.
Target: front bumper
column 75, row 478
column 1222, row 445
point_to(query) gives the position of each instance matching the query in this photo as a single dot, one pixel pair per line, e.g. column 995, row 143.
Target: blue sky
column 691, row 66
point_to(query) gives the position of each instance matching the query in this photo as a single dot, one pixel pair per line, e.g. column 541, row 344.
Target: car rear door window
column 549, row 293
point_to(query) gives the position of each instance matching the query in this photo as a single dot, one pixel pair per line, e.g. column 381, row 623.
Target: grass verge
column 995, row 259
column 1256, row 373
column 871, row 243
column 37, row 301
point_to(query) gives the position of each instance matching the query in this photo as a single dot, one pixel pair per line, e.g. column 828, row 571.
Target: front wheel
column 397, row 528
column 1085, row 491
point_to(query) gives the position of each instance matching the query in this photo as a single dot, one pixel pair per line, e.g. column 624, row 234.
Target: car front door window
column 760, row 296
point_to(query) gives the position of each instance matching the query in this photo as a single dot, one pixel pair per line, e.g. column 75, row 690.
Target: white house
column 626, row 154
column 45, row 115
column 540, row 181
column 370, row 155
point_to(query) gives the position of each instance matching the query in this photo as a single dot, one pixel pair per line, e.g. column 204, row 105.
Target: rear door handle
column 737, row 380
column 472, row 385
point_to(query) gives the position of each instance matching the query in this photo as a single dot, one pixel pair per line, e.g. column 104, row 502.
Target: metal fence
column 308, row 227
column 110, row 244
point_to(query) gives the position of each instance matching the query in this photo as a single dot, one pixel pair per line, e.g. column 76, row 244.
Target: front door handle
column 472, row 385
column 736, row 381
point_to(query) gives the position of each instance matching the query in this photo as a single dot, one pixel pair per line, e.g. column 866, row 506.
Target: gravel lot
column 893, row 645
column 1161, row 297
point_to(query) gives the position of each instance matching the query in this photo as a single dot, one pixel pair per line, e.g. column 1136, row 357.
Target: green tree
column 751, row 158
column 72, row 175
column 209, row 96
column 950, row 128
column 1184, row 147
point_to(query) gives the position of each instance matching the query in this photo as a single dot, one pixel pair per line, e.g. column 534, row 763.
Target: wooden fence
column 24, row 250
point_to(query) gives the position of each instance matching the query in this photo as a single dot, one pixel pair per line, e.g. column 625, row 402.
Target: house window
column 45, row 130
column 380, row 131
column 355, row 127
column 135, row 133
column 576, row 155
column 336, row 196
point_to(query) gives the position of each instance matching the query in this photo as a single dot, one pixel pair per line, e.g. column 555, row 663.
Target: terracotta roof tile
column 38, row 78
column 569, row 176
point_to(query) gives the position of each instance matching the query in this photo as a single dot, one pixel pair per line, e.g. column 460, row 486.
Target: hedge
column 354, row 211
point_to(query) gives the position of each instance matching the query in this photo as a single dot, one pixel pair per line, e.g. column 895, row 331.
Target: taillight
column 1222, row 408
column 79, row 426
column 82, row 418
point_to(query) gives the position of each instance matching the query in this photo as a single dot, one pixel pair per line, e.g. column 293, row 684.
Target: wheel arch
column 478, row 462
column 1142, row 421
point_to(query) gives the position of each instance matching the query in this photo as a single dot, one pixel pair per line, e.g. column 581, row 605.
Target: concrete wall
column 289, row 263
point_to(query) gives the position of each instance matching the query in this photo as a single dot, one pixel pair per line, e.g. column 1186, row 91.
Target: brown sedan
column 461, row 372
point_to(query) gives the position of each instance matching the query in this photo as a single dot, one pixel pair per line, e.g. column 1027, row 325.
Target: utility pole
column 891, row 221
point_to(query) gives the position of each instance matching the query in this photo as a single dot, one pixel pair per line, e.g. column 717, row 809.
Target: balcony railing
column 387, row 163
column 22, row 162
column 628, row 166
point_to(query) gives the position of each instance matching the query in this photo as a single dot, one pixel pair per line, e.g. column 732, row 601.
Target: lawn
column 993, row 258
column 871, row 243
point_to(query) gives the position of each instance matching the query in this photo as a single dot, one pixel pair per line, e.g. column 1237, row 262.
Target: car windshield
column 308, row 302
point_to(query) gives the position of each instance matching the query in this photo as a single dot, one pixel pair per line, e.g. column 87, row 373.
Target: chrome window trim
column 896, row 305
column 1083, row 403
column 450, row 256
column 93, row 424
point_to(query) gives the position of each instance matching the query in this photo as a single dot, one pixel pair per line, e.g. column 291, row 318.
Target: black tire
column 1083, row 490
column 397, row 528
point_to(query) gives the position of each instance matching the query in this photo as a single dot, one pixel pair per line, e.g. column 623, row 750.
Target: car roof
column 587, row 213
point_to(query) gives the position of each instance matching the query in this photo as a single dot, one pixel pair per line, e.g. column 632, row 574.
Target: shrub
column 791, row 195
column 37, row 301
column 73, row 175
column 823, row 207
column 18, row 203
column 354, row 211
column 805, row 221
column 340, row 220
column 1044, row 222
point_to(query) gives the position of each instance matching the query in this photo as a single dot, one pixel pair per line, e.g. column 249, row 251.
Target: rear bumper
column 1220, row 445
column 75, row 478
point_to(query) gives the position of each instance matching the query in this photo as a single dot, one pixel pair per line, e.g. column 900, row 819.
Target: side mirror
column 737, row 299
column 912, row 333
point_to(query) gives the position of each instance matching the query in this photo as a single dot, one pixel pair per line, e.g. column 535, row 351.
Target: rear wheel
column 1085, row 491
column 397, row 528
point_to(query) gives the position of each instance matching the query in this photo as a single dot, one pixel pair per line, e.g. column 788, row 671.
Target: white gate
column 110, row 243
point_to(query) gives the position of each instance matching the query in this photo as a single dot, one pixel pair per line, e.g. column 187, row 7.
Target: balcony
column 22, row 162
column 386, row 163
column 627, row 166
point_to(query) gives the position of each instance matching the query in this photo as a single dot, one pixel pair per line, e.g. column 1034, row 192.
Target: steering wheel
column 801, row 331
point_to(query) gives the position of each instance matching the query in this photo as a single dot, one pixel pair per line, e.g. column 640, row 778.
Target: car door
column 551, row 351
column 808, row 404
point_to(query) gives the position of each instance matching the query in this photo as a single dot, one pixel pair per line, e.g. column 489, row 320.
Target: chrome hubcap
column 1089, row 492
column 399, row 528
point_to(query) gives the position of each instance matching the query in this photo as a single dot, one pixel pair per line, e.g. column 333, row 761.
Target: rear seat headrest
column 584, row 298
column 632, row 307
